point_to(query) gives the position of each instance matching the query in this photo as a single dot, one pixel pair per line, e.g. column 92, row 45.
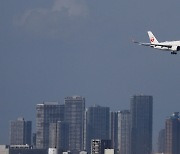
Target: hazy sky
column 50, row 49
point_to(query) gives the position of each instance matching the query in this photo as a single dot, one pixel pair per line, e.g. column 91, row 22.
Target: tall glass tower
column 141, row 109
column 75, row 117
column 114, row 129
column 46, row 113
column 98, row 124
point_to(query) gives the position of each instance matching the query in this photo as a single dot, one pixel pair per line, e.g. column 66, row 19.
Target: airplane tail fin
column 152, row 37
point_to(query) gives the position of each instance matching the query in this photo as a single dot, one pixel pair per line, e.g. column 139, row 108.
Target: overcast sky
column 58, row 48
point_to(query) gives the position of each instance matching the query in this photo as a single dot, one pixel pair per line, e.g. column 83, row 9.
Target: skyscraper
column 124, row 132
column 53, row 135
column 114, row 130
column 75, row 116
column 20, row 132
column 172, row 134
column 161, row 141
column 46, row 113
column 59, row 135
column 141, row 109
column 98, row 122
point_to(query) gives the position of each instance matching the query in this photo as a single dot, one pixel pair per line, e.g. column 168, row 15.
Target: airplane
column 172, row 46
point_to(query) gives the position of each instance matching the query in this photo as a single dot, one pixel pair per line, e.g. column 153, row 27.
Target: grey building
column 124, row 132
column 20, row 132
column 98, row 146
column 98, row 124
column 34, row 140
column 63, row 135
column 75, row 117
column 46, row 113
column 141, row 109
column 161, row 141
column 59, row 135
column 114, row 130
column 172, row 134
column 21, row 149
column 53, row 135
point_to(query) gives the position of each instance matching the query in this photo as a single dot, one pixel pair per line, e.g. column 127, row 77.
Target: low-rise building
column 21, row 149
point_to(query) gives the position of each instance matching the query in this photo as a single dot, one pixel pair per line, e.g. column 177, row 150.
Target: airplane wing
column 153, row 44
column 140, row 43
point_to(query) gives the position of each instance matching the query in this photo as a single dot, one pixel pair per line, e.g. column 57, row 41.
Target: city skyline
column 86, row 107
column 95, row 112
column 53, row 49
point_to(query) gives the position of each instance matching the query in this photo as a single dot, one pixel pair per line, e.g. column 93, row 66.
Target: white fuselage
column 175, row 45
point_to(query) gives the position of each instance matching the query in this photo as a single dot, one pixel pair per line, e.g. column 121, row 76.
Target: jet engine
column 175, row 48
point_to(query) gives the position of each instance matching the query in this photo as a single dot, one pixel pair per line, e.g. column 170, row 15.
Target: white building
column 52, row 151
column 108, row 151
column 67, row 152
column 83, row 152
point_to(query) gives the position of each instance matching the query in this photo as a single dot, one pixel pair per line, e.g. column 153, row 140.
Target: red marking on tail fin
column 152, row 39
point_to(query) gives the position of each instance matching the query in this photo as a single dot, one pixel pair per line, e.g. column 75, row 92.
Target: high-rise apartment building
column 20, row 132
column 114, row 129
column 53, row 135
column 75, row 117
column 141, row 109
column 98, row 124
column 172, row 134
column 124, row 132
column 59, row 135
column 46, row 113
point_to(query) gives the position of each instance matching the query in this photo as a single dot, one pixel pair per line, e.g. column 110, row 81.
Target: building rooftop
column 49, row 103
